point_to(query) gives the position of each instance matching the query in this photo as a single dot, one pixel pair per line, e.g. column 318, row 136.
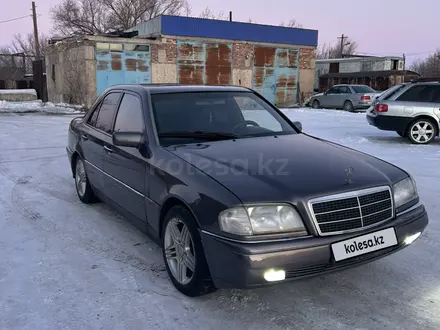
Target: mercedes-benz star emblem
column 348, row 174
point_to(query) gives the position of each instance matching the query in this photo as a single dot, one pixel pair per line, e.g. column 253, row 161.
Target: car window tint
column 107, row 112
column 129, row 117
column 344, row 90
column 391, row 92
column 363, row 89
column 436, row 97
column 254, row 111
column 333, row 90
column 216, row 112
column 94, row 116
column 421, row 93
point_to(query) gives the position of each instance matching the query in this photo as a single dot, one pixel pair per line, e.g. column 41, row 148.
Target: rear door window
column 107, row 112
column 420, row 93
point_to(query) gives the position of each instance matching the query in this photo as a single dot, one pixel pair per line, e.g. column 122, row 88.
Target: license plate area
column 364, row 244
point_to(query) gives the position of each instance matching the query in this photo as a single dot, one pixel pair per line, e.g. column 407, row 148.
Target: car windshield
column 189, row 117
column 363, row 89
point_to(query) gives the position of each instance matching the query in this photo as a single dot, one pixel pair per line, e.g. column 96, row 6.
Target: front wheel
column 422, row 131
column 183, row 254
column 315, row 104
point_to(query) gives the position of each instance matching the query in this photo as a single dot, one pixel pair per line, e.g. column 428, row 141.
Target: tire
column 82, row 184
column 348, row 106
column 196, row 280
column 422, row 125
column 315, row 104
column 402, row 134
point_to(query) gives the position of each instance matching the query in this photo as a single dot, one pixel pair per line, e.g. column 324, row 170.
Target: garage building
column 278, row 62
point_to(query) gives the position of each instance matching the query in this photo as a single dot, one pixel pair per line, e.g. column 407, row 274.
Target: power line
column 15, row 19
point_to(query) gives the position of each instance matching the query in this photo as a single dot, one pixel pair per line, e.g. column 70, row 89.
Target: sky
column 381, row 27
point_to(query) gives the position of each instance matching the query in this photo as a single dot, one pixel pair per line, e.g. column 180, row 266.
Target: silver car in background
column 411, row 109
column 347, row 97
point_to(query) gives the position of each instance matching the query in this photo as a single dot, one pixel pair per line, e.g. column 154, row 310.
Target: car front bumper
column 235, row 264
column 388, row 123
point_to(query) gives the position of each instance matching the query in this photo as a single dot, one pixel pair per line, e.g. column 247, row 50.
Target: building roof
column 181, row 26
column 369, row 74
column 358, row 59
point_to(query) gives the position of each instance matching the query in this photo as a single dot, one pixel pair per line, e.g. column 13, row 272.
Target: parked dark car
column 233, row 191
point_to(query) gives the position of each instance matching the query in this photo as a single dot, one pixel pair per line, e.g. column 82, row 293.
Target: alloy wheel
column 179, row 251
column 80, row 178
column 422, row 131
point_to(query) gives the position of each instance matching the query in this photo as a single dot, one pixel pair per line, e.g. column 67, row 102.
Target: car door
column 329, row 98
column 343, row 95
column 92, row 149
column 96, row 136
column 125, row 182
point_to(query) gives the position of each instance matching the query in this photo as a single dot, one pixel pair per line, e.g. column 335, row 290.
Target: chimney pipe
column 230, row 16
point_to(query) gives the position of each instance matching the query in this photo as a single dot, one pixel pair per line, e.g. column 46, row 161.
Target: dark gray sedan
column 233, row 191
column 347, row 97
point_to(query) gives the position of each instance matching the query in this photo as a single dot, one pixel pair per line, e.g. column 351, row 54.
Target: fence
column 20, row 71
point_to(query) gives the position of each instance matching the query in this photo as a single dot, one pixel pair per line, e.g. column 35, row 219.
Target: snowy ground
column 64, row 265
column 38, row 106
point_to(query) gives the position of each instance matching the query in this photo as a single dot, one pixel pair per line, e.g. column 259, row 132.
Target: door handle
column 84, row 137
column 108, row 149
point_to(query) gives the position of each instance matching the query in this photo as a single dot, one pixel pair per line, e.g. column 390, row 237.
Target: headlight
column 404, row 192
column 261, row 219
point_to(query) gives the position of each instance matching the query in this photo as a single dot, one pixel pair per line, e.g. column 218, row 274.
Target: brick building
column 278, row 62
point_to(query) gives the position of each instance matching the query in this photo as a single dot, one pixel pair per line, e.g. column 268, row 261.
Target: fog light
column 412, row 238
column 273, row 275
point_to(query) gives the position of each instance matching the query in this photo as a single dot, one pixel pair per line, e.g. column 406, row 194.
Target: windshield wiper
column 204, row 135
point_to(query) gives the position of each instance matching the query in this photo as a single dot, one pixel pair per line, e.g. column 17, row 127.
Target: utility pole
column 342, row 37
column 36, row 41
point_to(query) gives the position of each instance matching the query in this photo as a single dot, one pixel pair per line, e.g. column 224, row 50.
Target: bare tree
column 208, row 13
column 429, row 67
column 25, row 44
column 328, row 50
column 293, row 23
column 76, row 17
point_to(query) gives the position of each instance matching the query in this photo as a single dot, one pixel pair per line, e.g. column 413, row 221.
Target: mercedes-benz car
column 235, row 193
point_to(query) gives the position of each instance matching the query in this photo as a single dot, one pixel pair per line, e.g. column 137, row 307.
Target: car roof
column 176, row 88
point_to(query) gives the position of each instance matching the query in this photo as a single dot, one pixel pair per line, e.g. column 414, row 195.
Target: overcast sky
column 381, row 27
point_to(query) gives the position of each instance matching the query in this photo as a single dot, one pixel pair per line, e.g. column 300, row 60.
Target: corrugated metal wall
column 275, row 74
column 204, row 63
column 122, row 64
column 222, row 29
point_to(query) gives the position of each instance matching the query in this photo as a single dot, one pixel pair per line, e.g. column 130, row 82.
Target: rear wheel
column 183, row 254
column 422, row 131
column 348, row 106
column 82, row 183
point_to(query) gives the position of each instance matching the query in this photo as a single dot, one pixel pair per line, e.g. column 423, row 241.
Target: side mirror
column 298, row 125
column 128, row 139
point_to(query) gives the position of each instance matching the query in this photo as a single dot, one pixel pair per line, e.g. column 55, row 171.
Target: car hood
column 286, row 168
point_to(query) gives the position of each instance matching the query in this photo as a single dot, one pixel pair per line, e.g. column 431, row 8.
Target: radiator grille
column 352, row 211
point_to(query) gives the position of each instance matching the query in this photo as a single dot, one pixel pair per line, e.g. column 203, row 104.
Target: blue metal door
column 129, row 66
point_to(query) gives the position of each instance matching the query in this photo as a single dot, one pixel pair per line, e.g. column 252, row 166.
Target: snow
column 38, row 106
column 66, row 265
column 18, row 91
